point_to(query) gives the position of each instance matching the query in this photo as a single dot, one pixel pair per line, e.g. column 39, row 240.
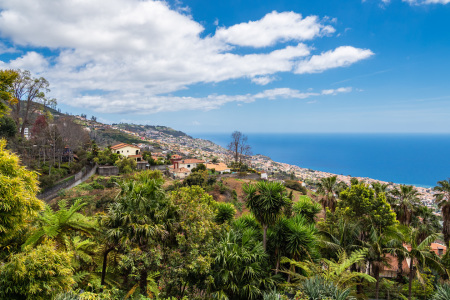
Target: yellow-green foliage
column 196, row 237
column 18, row 188
column 39, row 273
column 7, row 77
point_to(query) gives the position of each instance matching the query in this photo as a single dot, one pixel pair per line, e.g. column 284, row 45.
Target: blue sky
column 254, row 66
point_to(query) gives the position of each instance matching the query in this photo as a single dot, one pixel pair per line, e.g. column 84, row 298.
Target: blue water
column 418, row 159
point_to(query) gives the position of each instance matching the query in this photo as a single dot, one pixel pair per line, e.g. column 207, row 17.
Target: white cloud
column 340, row 57
column 263, row 80
column 272, row 28
column 131, row 103
column 31, row 61
column 110, row 54
column 336, row 91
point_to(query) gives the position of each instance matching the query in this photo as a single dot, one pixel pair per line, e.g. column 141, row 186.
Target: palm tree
column 327, row 188
column 405, row 203
column 426, row 222
column 442, row 199
column 266, row 200
column 139, row 217
column 240, row 267
column 341, row 235
column 419, row 254
column 379, row 187
column 378, row 245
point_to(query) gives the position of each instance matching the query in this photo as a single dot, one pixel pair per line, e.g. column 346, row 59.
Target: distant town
column 161, row 140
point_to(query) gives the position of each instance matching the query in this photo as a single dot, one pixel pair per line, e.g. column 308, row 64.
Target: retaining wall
column 68, row 183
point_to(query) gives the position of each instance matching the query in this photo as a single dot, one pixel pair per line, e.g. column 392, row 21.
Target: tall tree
column 420, row 255
column 239, row 147
column 442, row 199
column 327, row 188
column 141, row 208
column 30, row 95
column 266, row 200
column 404, row 202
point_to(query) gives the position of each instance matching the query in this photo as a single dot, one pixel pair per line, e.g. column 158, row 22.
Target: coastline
column 426, row 193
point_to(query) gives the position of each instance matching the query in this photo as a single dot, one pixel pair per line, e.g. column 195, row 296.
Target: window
column 128, row 151
column 440, row 252
column 188, row 166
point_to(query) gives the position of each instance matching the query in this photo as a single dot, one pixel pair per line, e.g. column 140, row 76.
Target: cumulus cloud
column 109, row 54
column 31, row 61
column 340, row 57
column 272, row 28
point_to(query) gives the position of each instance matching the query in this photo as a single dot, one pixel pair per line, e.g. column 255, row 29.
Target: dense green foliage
column 148, row 242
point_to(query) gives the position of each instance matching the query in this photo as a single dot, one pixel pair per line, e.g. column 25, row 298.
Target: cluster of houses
column 179, row 169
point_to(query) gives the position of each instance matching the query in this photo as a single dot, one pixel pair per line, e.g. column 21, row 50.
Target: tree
column 141, row 209
column 126, row 164
column 73, row 135
column 58, row 225
column 420, row 255
column 266, row 200
column 360, row 203
column 442, row 199
column 380, row 243
column 8, row 128
column 379, row 187
column 30, row 95
column 338, row 272
column 18, row 188
column 239, row 147
column 39, row 273
column 405, row 203
column 327, row 188
column 240, row 268
column 225, row 213
column 189, row 250
column 200, row 167
column 7, row 78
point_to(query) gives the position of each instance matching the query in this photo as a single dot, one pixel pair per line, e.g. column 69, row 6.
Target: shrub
column 225, row 213
column 295, row 185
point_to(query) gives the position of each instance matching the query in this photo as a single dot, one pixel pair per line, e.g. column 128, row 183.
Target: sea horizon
column 417, row 159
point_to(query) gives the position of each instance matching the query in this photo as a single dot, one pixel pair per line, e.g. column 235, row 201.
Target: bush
column 225, row 213
column 47, row 181
column 296, row 186
column 126, row 165
column 97, row 186
column 40, row 273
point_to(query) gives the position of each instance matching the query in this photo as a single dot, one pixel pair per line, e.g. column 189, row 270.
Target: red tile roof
column 192, row 161
column 123, row 145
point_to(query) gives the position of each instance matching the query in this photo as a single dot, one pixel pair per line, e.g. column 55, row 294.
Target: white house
column 187, row 163
column 126, row 149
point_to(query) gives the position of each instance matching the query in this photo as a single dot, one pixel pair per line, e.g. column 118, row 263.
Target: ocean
column 416, row 159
